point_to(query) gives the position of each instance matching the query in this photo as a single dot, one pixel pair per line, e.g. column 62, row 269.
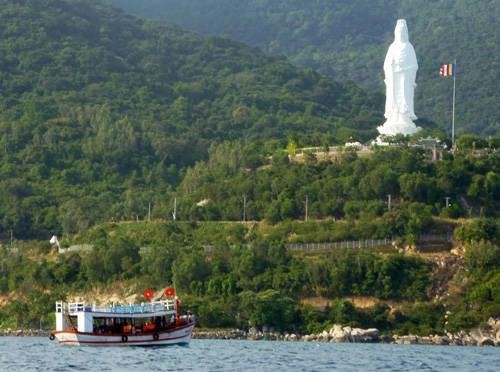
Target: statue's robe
column 400, row 68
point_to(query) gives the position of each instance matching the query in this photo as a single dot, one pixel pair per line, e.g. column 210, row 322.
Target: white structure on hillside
column 55, row 241
column 400, row 68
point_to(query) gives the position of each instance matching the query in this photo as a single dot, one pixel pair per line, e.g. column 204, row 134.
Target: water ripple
column 40, row 354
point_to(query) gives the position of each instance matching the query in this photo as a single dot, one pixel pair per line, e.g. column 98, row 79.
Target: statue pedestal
column 392, row 127
column 401, row 124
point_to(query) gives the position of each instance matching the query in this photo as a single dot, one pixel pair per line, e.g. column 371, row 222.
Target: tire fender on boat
column 124, row 338
column 156, row 336
column 52, row 337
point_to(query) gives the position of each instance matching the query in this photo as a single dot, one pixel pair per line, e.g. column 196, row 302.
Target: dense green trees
column 352, row 273
column 238, row 275
column 107, row 119
column 125, row 141
column 350, row 188
column 343, row 40
column 245, row 274
column 103, row 113
column 481, row 297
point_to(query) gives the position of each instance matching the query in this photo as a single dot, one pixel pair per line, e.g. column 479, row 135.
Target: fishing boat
column 155, row 323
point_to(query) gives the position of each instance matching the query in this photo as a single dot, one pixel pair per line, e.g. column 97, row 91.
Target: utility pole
column 244, row 207
column 389, row 202
column 447, row 201
column 174, row 213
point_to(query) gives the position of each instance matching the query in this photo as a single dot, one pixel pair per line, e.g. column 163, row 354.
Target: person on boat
column 127, row 328
column 149, row 326
column 158, row 323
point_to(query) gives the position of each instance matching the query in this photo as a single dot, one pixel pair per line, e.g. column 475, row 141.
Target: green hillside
column 348, row 39
column 101, row 113
column 235, row 275
column 108, row 123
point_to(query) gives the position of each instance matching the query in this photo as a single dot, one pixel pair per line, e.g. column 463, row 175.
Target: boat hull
column 177, row 336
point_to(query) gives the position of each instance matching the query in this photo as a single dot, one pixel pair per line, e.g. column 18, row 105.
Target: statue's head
column 401, row 31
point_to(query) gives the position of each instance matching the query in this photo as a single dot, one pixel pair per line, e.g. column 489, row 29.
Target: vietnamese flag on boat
column 170, row 291
column 148, row 293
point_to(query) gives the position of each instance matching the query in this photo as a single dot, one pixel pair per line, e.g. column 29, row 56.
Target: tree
column 420, row 217
column 157, row 265
column 72, row 217
column 191, row 267
column 482, row 256
column 268, row 308
column 477, row 230
column 40, row 305
column 343, row 312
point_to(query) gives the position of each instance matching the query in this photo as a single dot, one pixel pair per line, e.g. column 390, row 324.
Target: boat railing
column 150, row 307
column 60, row 308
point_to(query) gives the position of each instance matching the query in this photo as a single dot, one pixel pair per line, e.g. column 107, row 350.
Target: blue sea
column 41, row 354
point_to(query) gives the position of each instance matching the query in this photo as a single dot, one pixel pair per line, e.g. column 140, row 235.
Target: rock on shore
column 24, row 332
column 338, row 333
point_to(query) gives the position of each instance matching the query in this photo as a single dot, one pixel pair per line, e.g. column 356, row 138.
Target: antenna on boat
column 176, row 300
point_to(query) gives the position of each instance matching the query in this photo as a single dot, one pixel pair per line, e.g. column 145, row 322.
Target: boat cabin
column 131, row 319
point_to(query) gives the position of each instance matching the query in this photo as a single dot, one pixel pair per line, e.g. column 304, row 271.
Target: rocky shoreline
column 24, row 332
column 478, row 337
column 338, row 333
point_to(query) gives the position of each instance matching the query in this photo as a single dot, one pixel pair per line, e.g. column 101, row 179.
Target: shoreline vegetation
column 155, row 156
column 337, row 334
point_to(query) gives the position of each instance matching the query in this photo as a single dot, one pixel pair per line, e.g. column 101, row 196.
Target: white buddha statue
column 400, row 68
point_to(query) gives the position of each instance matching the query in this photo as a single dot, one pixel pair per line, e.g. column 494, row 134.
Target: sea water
column 41, row 354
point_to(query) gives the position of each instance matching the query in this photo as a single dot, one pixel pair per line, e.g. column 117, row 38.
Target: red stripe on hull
column 180, row 335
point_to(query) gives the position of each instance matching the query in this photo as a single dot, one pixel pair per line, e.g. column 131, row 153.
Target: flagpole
column 453, row 107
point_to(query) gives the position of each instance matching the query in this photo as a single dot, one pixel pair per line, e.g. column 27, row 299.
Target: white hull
column 176, row 336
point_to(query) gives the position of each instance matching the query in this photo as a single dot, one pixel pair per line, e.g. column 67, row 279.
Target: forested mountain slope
column 106, row 119
column 347, row 39
column 101, row 112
